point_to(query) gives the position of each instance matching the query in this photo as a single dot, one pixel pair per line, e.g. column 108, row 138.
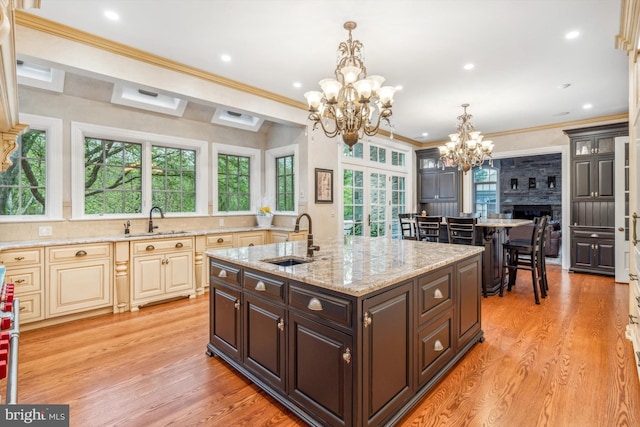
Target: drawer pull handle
column 23, row 308
column 594, row 235
column 281, row 324
column 179, row 245
column 633, row 276
column 19, row 258
column 632, row 320
column 315, row 304
column 437, row 346
column 223, row 273
column 366, row 320
column 150, row 248
column 260, row 286
column 20, row 281
column 220, row 240
column 237, row 305
column 251, row 244
column 81, row 253
column 638, row 356
column 347, row 355
column 437, row 294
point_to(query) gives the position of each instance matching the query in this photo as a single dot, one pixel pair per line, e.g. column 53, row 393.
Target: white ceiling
column 518, row 47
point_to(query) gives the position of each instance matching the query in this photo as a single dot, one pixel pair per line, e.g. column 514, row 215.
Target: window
column 485, row 186
column 285, row 191
column 397, row 158
column 234, row 179
column 353, row 200
column 113, row 177
column 356, row 153
column 377, row 154
column 31, row 188
column 120, row 173
column 173, row 181
column 398, row 204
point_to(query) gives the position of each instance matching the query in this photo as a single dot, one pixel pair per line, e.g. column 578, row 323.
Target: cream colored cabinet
column 79, row 278
column 249, row 238
column 219, row 241
column 25, row 271
column 162, row 269
column 277, row 236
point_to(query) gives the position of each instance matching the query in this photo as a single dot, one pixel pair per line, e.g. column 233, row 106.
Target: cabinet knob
column 620, row 228
column 594, row 235
column 237, row 305
column 347, row 355
column 222, row 273
column 437, row 294
column 179, row 245
column 150, row 248
column 281, row 324
column 260, row 286
column 596, row 194
column 314, row 304
column 366, row 320
column 81, row 253
column 437, row 346
column 220, row 240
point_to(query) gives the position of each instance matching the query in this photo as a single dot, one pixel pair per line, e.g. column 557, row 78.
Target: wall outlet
column 221, row 222
column 46, row 230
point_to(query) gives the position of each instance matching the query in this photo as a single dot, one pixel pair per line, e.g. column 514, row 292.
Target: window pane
column 285, row 183
column 23, row 185
column 234, row 182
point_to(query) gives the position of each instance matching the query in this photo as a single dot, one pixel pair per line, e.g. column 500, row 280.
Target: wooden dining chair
column 407, row 227
column 428, row 228
column 462, row 231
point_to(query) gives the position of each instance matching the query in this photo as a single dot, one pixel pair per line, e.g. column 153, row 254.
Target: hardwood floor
column 565, row 362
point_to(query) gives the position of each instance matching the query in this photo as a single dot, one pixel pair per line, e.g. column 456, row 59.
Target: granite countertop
column 356, row 267
column 18, row 244
column 500, row 222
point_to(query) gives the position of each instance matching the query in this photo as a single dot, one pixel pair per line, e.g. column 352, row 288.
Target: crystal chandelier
column 466, row 148
column 352, row 104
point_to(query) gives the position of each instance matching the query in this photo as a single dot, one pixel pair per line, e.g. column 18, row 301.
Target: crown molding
column 627, row 39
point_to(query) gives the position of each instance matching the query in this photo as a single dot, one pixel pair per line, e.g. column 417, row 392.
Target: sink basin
column 156, row 233
column 288, row 261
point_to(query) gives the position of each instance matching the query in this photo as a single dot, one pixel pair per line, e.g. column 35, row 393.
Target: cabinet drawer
column 20, row 257
column 434, row 293
column 224, row 273
column 220, row 241
column 327, row 306
column 593, row 234
column 30, row 308
column 434, row 347
column 25, row 279
column 78, row 252
column 268, row 286
column 158, row 245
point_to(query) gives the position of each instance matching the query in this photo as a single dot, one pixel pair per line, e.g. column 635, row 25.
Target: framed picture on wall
column 324, row 185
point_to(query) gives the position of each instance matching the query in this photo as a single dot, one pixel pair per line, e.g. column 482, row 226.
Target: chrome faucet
column 310, row 246
column 151, row 226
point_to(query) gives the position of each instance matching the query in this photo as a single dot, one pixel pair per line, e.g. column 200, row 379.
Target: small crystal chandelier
column 347, row 104
column 466, row 148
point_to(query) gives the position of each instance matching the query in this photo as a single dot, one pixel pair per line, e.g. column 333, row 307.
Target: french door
column 372, row 200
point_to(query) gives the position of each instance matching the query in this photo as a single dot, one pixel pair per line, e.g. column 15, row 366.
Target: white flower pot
column 264, row 220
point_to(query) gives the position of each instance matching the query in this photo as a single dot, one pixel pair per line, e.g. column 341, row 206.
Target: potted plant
column 264, row 217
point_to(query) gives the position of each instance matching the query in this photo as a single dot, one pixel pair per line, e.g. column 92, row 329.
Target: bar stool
column 407, row 228
column 462, row 231
column 429, row 228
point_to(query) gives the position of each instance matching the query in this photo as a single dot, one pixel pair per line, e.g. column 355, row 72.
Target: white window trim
column 270, row 174
column 81, row 130
column 255, row 183
column 53, row 159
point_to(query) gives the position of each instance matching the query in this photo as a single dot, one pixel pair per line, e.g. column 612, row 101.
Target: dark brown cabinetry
column 436, row 187
column 592, row 197
column 341, row 360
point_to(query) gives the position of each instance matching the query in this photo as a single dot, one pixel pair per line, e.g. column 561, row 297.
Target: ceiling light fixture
column 346, row 105
column 110, row 14
column 572, row 35
column 466, row 148
column 469, row 66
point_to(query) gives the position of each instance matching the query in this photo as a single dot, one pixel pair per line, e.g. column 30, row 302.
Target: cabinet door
column 605, row 255
column 264, row 340
column 469, row 282
column 148, row 272
column 249, row 239
column 428, row 186
column 78, row 286
column 582, row 252
column 320, row 376
column 447, row 190
column 582, row 185
column 178, row 272
column 605, row 178
column 225, row 322
column 387, row 356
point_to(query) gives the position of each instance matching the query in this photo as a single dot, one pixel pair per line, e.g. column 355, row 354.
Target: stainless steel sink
column 156, row 233
column 288, row 261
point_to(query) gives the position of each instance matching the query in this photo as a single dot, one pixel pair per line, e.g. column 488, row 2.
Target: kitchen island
column 354, row 336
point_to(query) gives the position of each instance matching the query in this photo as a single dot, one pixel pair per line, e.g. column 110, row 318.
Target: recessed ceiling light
column 425, row 134
column 297, row 85
column 110, row 14
column 469, row 66
column 587, row 106
column 398, row 87
column 564, row 86
column 225, row 58
column 572, row 35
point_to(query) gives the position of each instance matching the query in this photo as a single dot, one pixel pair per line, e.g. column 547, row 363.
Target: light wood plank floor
column 565, row 362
